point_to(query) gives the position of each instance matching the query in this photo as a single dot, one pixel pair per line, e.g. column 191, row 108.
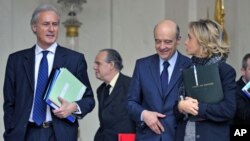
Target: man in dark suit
column 112, row 112
column 21, row 84
column 149, row 103
column 242, row 116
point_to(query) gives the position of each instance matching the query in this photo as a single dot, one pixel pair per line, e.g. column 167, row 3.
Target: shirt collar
column 51, row 49
column 171, row 61
column 113, row 81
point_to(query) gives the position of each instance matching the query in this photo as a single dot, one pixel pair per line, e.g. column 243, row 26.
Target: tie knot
column 45, row 53
column 166, row 64
column 106, row 91
column 108, row 86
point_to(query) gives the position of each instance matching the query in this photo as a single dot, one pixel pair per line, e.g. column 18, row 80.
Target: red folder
column 126, row 137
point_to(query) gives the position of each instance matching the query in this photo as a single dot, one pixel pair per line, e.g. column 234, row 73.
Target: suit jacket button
column 197, row 136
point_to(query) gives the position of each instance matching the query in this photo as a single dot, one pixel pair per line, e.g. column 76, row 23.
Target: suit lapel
column 177, row 72
column 109, row 99
column 59, row 60
column 175, row 77
column 155, row 71
column 100, row 97
column 30, row 59
column 115, row 91
column 30, row 69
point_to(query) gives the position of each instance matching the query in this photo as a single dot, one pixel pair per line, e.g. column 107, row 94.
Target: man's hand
column 66, row 108
column 152, row 121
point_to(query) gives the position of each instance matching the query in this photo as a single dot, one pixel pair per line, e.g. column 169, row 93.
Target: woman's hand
column 188, row 105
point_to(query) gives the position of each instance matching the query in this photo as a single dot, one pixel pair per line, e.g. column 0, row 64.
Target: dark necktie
column 106, row 92
column 39, row 111
column 164, row 77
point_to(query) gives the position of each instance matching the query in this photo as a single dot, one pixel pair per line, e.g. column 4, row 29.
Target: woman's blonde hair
column 209, row 36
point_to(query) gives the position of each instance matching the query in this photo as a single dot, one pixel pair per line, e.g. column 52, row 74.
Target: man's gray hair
column 43, row 7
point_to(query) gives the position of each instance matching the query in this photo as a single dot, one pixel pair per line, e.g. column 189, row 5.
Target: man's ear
column 178, row 40
column 112, row 63
column 33, row 27
column 243, row 71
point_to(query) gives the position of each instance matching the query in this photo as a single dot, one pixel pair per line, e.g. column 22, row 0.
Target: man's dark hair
column 244, row 61
column 114, row 56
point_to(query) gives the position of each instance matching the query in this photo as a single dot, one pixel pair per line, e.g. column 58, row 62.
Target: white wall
column 125, row 25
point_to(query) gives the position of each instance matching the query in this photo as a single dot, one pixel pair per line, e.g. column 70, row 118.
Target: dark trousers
column 40, row 134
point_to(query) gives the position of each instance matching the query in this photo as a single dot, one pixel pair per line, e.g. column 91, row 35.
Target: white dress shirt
column 38, row 58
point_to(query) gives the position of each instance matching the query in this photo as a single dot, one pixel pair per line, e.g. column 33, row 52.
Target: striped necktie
column 39, row 111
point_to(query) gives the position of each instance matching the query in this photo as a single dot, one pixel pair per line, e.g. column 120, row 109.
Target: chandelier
column 72, row 5
column 72, row 24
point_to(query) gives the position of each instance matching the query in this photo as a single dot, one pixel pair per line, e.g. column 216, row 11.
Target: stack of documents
column 65, row 85
column 246, row 89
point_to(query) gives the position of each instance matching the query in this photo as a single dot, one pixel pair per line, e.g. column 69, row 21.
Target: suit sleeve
column 135, row 96
column 9, row 95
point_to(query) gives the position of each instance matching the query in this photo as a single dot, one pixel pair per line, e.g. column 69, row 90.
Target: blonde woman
column 205, row 45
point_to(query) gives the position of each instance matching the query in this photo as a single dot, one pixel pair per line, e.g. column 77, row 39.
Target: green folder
column 203, row 83
column 65, row 85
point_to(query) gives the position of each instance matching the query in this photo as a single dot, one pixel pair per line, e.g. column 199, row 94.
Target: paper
column 246, row 89
column 65, row 85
